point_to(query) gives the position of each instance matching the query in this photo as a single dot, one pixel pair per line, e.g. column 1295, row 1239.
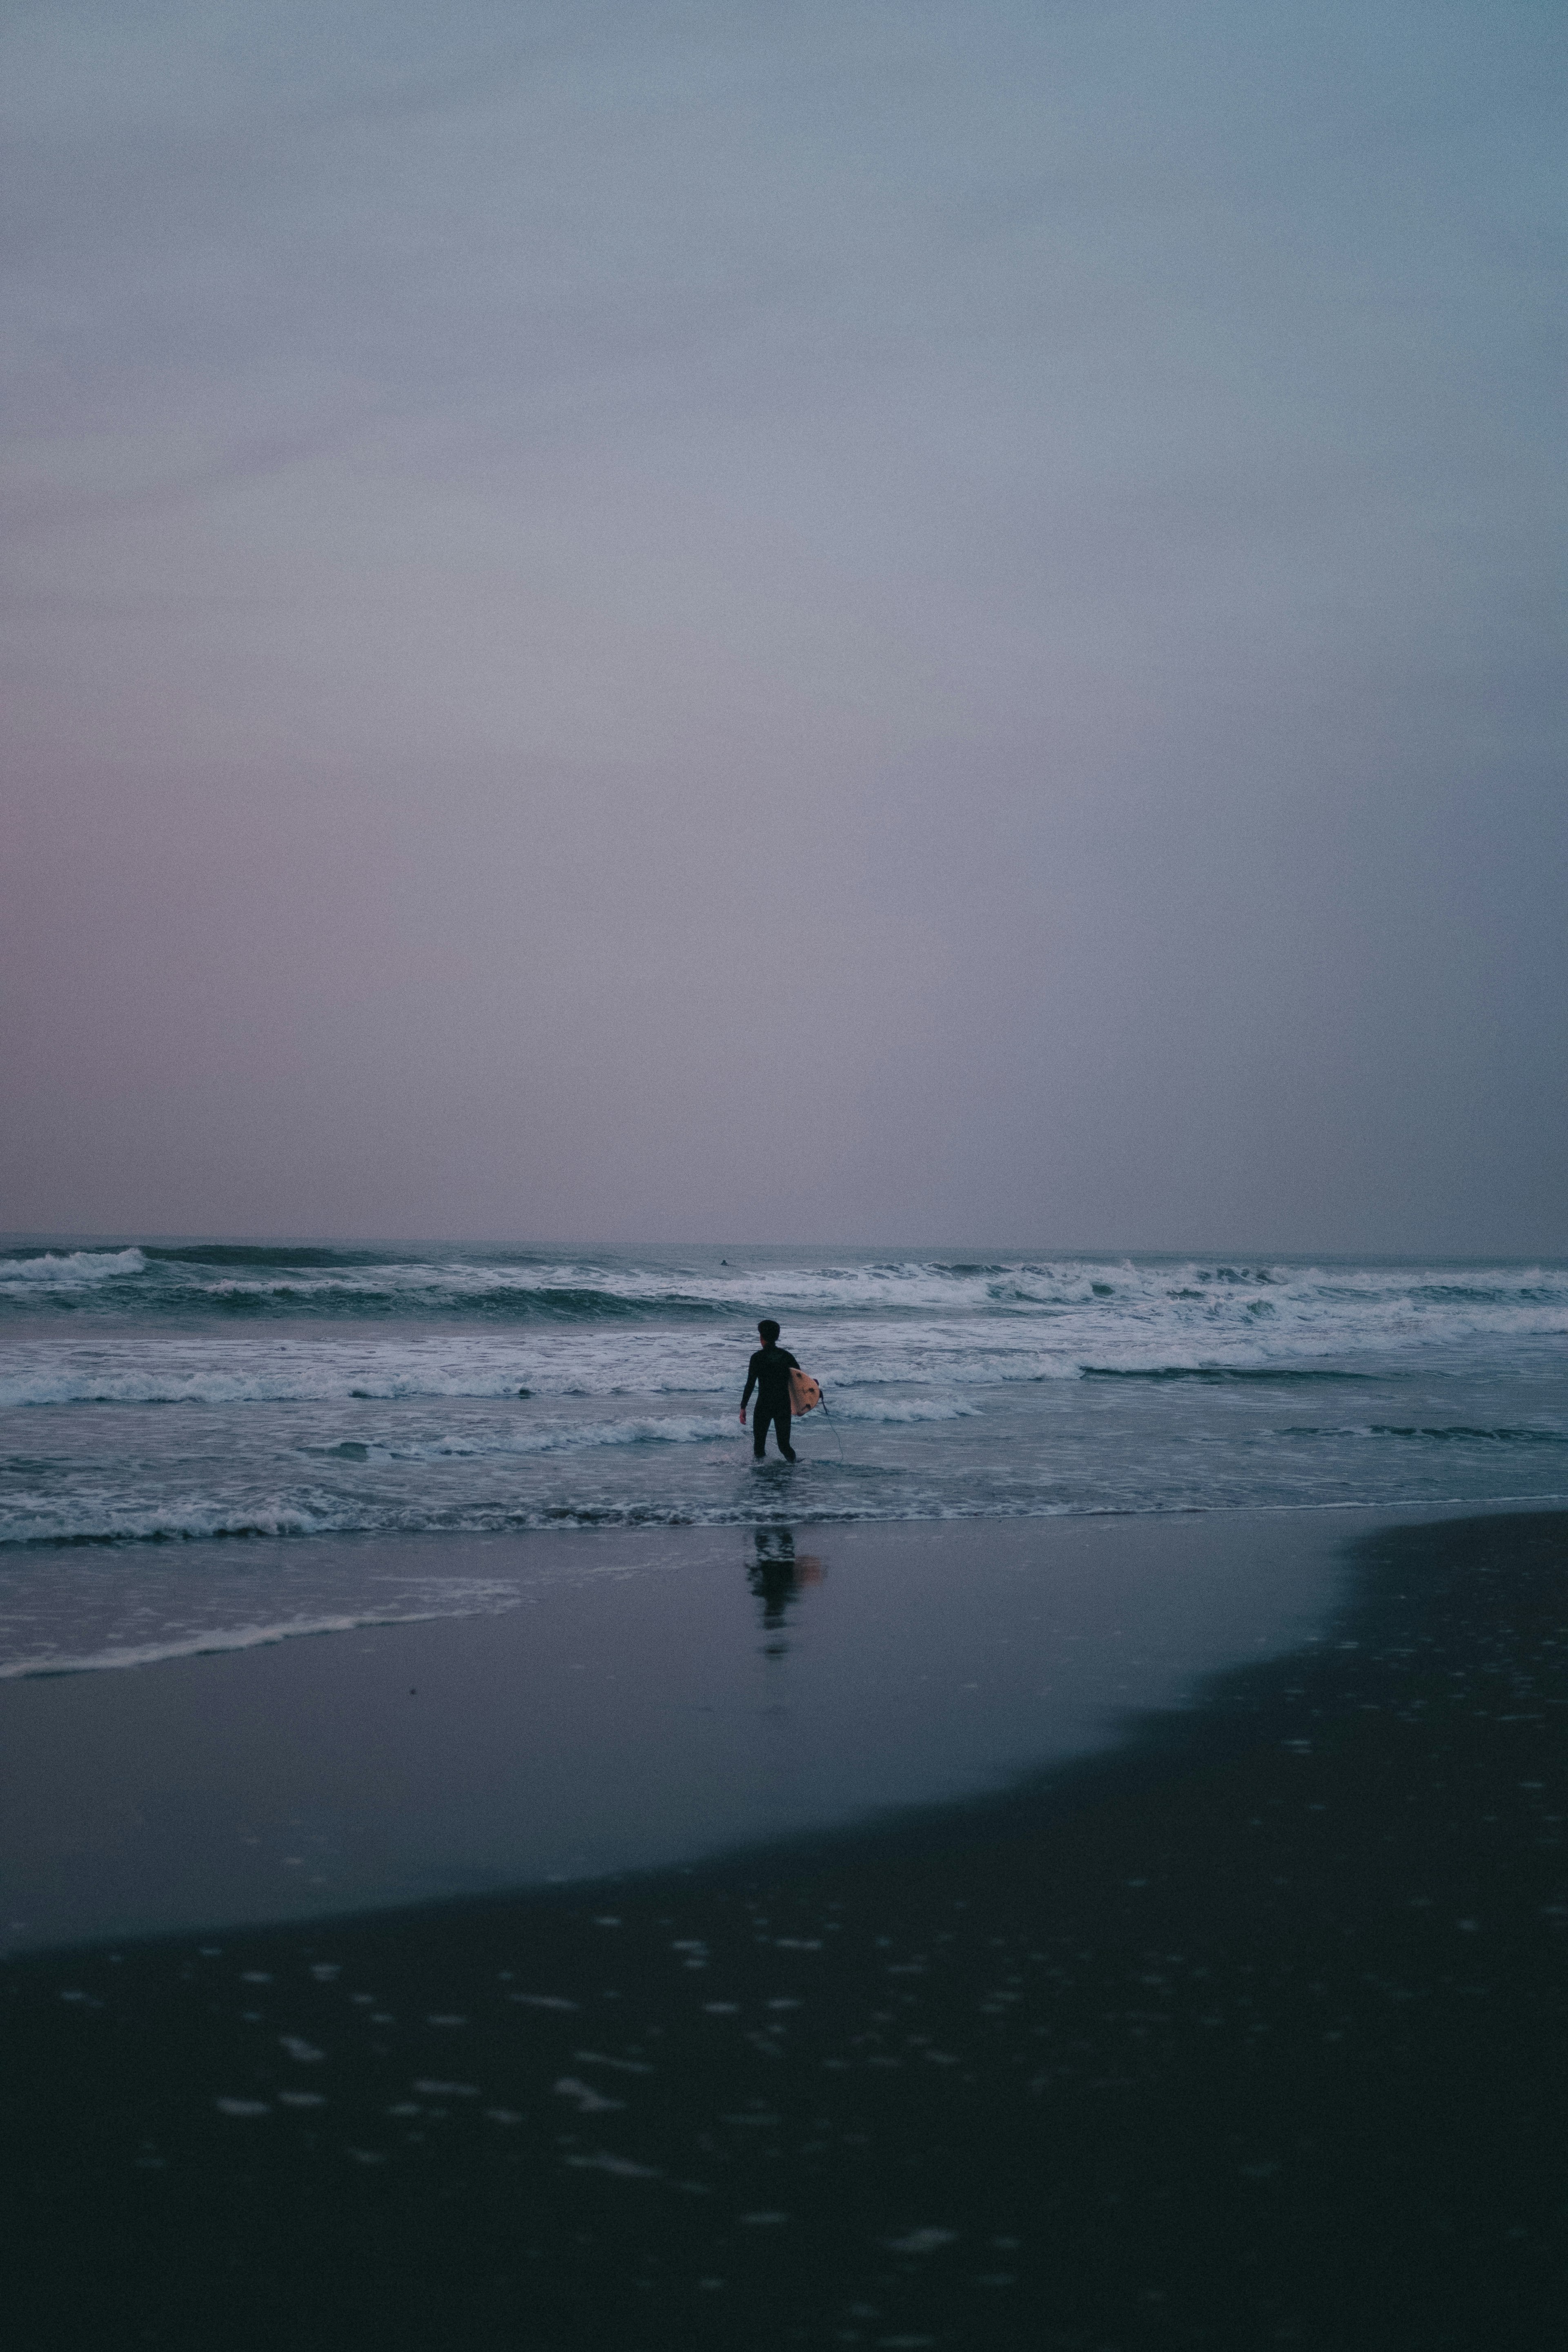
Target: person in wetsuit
column 768, row 1372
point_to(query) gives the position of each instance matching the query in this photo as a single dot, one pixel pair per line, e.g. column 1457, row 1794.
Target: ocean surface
column 179, row 1423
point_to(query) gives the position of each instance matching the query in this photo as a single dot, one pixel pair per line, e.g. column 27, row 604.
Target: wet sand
column 626, row 1699
column 1253, row 2031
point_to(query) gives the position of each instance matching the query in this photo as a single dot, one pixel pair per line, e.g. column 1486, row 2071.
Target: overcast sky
column 843, row 623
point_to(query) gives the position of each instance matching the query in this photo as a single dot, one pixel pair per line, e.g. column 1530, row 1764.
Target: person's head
column 770, row 1332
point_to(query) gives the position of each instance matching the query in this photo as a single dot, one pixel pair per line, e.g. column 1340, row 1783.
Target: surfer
column 768, row 1372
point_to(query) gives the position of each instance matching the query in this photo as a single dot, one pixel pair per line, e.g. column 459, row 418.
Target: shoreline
column 565, row 1707
column 1248, row 2031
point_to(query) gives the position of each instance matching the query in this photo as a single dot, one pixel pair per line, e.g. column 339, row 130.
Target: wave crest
column 41, row 1271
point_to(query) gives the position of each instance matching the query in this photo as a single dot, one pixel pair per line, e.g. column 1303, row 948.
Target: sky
column 856, row 621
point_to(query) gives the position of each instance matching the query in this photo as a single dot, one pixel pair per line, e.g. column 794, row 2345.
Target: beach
column 568, row 1706
column 1241, row 2021
column 876, row 680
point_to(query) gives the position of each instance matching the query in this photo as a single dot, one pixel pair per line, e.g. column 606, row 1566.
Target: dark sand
column 1252, row 2032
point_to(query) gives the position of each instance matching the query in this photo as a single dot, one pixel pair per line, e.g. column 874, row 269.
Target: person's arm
column 751, row 1384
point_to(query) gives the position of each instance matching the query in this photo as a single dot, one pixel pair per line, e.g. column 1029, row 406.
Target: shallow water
column 617, row 1701
column 154, row 1397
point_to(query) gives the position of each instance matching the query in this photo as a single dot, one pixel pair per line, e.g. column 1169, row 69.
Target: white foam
column 458, row 1598
column 935, row 1329
column 541, row 1437
column 856, row 1405
column 91, row 1518
column 322, row 1367
column 69, row 1270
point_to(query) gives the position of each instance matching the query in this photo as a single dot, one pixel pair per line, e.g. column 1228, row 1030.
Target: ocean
column 182, row 1425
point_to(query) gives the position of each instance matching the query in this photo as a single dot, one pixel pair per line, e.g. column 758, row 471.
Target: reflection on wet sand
column 776, row 1574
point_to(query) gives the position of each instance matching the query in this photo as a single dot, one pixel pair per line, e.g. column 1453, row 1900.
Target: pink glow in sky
column 649, row 622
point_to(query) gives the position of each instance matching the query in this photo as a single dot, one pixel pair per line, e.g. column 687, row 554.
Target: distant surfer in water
column 768, row 1372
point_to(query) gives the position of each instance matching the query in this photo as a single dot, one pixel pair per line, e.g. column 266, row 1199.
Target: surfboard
column 804, row 1392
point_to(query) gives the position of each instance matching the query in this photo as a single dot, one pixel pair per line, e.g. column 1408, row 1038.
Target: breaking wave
column 192, row 1405
column 1305, row 1305
column 29, row 1275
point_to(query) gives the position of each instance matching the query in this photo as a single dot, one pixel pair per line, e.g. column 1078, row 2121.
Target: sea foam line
column 214, row 1641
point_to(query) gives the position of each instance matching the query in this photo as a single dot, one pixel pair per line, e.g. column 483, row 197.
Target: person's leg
column 760, row 1417
column 781, row 1431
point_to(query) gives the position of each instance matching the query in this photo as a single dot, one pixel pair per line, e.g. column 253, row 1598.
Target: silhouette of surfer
column 768, row 1372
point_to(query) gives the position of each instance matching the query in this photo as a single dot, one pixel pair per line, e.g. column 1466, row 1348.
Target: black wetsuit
column 768, row 1372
